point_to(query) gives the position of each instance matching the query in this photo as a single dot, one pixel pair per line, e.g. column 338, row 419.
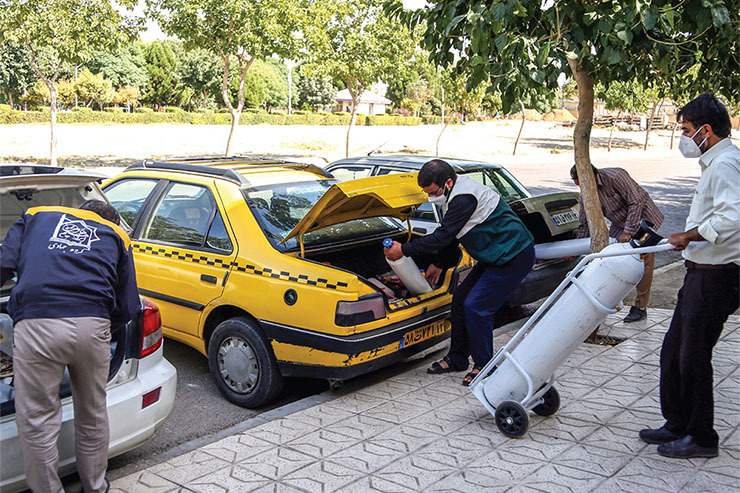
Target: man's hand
column 394, row 252
column 432, row 274
column 624, row 238
column 680, row 240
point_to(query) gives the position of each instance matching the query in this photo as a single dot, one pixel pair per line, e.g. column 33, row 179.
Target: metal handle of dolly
column 505, row 351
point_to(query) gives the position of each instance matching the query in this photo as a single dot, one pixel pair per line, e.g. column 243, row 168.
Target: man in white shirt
column 710, row 291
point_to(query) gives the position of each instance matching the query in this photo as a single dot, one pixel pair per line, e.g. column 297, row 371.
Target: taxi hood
column 396, row 195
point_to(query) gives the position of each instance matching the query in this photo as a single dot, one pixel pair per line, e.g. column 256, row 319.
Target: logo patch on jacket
column 74, row 233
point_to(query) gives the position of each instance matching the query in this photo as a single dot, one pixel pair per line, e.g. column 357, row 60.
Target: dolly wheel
column 550, row 403
column 512, row 419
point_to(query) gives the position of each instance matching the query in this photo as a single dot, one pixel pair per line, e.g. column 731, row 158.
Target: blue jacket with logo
column 70, row 263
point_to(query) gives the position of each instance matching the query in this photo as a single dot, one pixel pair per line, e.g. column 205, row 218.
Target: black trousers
column 706, row 299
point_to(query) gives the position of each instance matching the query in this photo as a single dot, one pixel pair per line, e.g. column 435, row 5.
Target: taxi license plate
column 423, row 333
column 564, row 217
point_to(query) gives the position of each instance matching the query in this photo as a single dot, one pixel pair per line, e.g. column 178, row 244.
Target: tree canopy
column 523, row 46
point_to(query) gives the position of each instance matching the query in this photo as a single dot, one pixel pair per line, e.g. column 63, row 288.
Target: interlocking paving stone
column 322, row 443
column 236, row 448
column 235, row 478
column 388, row 389
column 415, row 472
column 281, row 430
column 396, row 412
column 322, row 477
column 321, row 415
column 373, row 484
column 143, row 481
column 419, row 432
column 188, row 467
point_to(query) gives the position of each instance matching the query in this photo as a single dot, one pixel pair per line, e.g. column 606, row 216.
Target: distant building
column 370, row 103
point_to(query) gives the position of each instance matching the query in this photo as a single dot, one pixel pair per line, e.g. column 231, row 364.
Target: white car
column 141, row 383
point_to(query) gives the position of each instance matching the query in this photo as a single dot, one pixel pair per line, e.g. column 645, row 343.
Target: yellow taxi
column 274, row 269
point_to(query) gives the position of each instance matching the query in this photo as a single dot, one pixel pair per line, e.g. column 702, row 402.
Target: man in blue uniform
column 477, row 218
column 75, row 280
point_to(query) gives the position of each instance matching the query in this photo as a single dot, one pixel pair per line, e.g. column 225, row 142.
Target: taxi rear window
column 279, row 208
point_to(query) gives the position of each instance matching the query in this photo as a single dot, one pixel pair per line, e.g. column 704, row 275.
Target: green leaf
column 649, row 17
column 499, row 11
column 703, row 19
column 501, row 42
column 720, row 16
column 454, row 22
column 475, row 61
column 543, row 54
column 571, row 55
column 669, row 16
column 625, row 36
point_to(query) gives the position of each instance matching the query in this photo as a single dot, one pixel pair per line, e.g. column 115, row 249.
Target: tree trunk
column 10, row 99
column 439, row 137
column 673, row 132
column 235, row 112
column 53, row 120
column 611, row 132
column 649, row 125
column 524, row 119
column 351, row 123
column 581, row 141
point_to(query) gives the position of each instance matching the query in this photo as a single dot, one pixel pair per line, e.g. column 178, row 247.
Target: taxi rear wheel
column 242, row 363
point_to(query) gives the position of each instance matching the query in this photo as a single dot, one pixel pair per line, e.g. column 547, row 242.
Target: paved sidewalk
column 419, row 432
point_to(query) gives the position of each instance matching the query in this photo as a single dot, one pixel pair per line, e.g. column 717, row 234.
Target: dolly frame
column 534, row 398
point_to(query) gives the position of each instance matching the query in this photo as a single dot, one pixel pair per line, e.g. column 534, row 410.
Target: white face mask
column 688, row 146
column 439, row 199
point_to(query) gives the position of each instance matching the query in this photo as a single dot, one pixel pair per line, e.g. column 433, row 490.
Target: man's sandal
column 471, row 376
column 438, row 369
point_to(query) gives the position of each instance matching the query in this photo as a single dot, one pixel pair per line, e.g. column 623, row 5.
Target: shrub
column 144, row 110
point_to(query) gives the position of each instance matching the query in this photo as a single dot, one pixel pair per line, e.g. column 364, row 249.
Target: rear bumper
column 541, row 282
column 130, row 426
column 306, row 353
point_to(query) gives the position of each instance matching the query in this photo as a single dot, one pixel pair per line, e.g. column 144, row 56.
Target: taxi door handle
column 207, row 278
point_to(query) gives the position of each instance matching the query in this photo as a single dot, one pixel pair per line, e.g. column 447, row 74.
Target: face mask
column 439, row 199
column 688, row 146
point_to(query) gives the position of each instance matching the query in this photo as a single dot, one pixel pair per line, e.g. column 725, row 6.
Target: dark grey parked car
column 550, row 217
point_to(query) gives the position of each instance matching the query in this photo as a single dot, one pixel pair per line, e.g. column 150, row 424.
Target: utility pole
column 290, row 64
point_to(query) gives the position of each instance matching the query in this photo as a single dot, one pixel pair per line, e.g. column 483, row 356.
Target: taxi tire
column 269, row 380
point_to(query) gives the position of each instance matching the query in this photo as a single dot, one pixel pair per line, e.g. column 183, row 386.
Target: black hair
column 574, row 172
column 102, row 209
column 707, row 109
column 436, row 171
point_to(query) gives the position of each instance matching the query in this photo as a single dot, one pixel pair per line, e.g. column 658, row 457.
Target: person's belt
column 694, row 265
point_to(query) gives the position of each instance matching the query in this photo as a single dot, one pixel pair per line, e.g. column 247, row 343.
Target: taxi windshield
column 279, row 208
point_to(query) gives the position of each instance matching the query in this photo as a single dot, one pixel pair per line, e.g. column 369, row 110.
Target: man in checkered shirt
column 625, row 204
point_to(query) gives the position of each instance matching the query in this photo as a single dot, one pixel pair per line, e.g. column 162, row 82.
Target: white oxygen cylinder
column 406, row 269
column 564, row 248
column 554, row 337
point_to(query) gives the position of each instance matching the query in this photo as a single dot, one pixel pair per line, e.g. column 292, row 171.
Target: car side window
column 128, row 197
column 184, row 215
column 351, row 172
column 218, row 238
column 391, row 171
column 425, row 212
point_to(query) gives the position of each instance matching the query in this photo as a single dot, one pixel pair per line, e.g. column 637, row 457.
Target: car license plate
column 423, row 333
column 564, row 217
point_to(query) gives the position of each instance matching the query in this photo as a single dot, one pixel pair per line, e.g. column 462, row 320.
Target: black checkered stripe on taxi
column 189, row 257
column 241, row 267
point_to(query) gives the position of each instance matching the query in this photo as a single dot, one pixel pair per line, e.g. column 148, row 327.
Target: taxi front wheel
column 242, row 363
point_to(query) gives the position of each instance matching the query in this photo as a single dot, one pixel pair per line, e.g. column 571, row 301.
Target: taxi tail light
column 151, row 329
column 366, row 309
